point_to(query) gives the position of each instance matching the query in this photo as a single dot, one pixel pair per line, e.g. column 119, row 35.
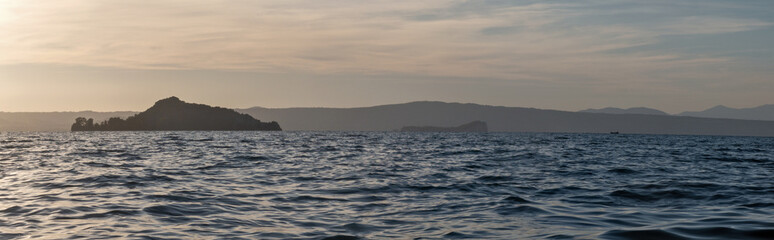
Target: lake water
column 374, row 185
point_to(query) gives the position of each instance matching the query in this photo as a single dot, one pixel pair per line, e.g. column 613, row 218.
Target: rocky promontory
column 172, row 114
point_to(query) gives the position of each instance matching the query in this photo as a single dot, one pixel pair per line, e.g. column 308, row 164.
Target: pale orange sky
column 567, row 55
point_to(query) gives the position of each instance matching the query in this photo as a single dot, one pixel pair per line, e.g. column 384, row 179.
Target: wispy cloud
column 528, row 40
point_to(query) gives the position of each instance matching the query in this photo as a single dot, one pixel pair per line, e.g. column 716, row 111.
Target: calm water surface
column 333, row 185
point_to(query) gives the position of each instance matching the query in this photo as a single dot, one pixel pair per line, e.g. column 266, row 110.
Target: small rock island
column 475, row 126
column 172, row 114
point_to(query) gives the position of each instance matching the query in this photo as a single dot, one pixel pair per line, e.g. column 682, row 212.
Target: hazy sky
column 108, row 55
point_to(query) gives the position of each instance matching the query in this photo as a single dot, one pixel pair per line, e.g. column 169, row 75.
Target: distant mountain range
column 395, row 116
column 636, row 110
column 764, row 112
column 500, row 119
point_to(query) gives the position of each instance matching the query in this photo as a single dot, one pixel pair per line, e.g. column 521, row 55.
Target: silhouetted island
column 475, row 126
column 172, row 114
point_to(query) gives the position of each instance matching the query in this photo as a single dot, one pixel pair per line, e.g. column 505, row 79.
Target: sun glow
column 6, row 11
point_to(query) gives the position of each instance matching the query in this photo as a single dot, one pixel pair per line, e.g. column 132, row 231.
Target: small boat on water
column 615, row 132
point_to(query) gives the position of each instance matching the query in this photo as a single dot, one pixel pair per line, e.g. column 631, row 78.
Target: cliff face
column 172, row 114
column 475, row 126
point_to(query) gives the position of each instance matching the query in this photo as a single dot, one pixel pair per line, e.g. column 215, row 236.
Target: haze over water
column 377, row 185
column 313, row 66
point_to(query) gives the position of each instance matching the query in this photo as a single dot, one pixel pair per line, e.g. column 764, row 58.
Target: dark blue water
column 320, row 185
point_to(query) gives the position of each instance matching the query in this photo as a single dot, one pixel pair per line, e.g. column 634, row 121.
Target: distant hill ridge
column 428, row 113
column 634, row 110
column 764, row 112
column 502, row 119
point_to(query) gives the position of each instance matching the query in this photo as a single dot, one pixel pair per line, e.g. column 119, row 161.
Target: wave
column 363, row 185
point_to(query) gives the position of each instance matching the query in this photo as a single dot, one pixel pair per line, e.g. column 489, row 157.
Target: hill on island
column 172, row 114
column 502, row 119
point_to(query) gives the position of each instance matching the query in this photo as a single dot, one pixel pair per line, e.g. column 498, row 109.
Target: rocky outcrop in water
column 172, row 114
column 475, row 126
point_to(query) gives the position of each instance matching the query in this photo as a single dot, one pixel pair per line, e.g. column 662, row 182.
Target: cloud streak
column 526, row 41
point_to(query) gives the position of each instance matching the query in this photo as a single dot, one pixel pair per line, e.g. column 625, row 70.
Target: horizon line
column 389, row 104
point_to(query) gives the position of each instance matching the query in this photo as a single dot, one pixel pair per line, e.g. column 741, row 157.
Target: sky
column 110, row 55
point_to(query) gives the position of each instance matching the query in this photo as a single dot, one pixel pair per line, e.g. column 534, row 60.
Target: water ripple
column 363, row 185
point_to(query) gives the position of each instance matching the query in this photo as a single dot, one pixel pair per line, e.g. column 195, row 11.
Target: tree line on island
column 83, row 124
column 172, row 114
